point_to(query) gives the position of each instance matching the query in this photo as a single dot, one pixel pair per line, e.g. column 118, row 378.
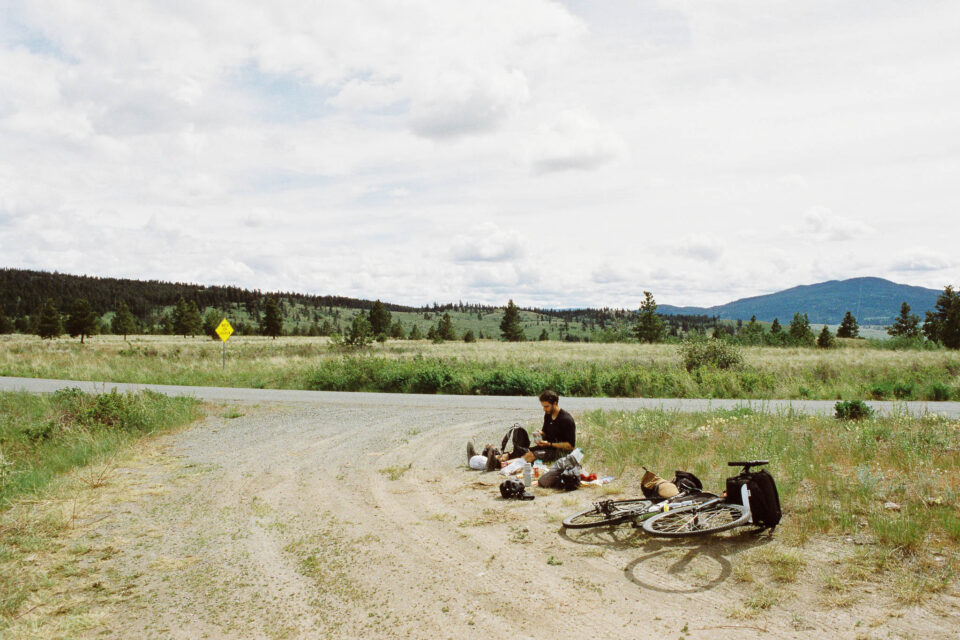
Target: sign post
column 224, row 330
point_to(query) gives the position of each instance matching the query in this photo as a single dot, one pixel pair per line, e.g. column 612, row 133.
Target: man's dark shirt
column 560, row 429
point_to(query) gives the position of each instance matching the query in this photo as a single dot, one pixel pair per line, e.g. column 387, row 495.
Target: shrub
column 852, row 410
column 938, row 392
column 903, row 390
column 709, row 353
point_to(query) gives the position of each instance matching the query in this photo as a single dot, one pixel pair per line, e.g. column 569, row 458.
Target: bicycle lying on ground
column 689, row 513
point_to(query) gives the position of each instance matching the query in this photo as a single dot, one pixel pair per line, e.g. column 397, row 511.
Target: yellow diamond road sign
column 224, row 330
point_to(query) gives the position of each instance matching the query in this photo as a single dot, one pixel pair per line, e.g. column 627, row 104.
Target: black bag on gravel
column 764, row 499
column 513, row 489
column 570, row 479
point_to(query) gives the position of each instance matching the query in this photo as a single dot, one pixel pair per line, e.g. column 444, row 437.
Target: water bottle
column 527, row 474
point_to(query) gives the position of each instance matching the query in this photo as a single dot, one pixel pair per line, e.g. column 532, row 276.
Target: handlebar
column 748, row 463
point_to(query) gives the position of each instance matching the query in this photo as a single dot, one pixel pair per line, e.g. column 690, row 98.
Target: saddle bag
column 764, row 500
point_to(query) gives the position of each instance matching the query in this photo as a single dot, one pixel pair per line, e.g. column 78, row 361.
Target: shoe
column 470, row 451
column 493, row 462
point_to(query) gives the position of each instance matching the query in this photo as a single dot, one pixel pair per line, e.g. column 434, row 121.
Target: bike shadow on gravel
column 673, row 565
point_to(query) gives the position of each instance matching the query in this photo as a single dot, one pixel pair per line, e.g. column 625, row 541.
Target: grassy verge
column 854, row 371
column 43, row 436
column 43, row 439
column 884, row 489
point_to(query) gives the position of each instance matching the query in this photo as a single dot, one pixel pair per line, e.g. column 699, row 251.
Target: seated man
column 559, row 434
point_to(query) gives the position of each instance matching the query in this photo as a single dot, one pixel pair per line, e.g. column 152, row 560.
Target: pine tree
column 907, row 325
column 326, row 328
column 510, row 327
column 943, row 322
column 379, row 319
column 848, row 327
column 415, row 333
column 396, row 330
column 544, row 336
column 192, row 320
column 180, row 318
column 800, row 332
column 83, row 321
column 211, row 320
column 6, row 324
column 649, row 326
column 445, row 329
column 469, row 337
column 49, row 324
column 359, row 334
column 775, row 326
column 825, row 339
column 123, row 322
column 752, row 332
column 272, row 323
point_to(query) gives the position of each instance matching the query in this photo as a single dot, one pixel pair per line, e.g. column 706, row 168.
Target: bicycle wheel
column 607, row 513
column 697, row 521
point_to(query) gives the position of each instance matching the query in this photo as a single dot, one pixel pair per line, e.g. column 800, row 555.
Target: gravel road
column 432, row 401
column 360, row 520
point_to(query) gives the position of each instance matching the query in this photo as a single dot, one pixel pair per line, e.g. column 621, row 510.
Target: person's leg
column 470, row 451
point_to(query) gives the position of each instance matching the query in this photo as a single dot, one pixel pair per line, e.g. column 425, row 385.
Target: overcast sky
column 560, row 154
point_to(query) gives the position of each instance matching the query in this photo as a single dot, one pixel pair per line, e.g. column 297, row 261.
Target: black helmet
column 513, row 489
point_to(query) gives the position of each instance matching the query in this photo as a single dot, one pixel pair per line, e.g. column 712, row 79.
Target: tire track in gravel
column 287, row 523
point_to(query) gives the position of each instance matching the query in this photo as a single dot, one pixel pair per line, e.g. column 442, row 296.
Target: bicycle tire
column 696, row 521
column 595, row 517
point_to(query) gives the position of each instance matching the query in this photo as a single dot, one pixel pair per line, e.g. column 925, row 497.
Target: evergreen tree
column 469, row 337
column 752, row 332
column 193, row 322
column 6, row 324
column 272, row 323
column 49, row 324
column 180, row 318
column 649, row 326
column 83, row 321
column 415, row 333
column 379, row 319
column 510, row 327
column 445, row 329
column 544, row 336
column 943, row 322
column 212, row 320
column 907, row 325
column 775, row 326
column 123, row 322
column 359, row 334
column 800, row 332
column 848, row 327
column 326, row 328
column 396, row 330
column 825, row 339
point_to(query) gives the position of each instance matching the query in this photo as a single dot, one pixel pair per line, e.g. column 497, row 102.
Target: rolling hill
column 873, row 301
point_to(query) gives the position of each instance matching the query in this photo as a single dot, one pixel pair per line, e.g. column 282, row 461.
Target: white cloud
column 822, row 224
column 922, row 259
column 699, row 247
column 575, row 140
column 487, row 243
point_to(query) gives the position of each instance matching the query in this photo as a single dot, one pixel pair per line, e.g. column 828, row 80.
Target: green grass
column 43, row 436
column 834, row 477
column 854, row 371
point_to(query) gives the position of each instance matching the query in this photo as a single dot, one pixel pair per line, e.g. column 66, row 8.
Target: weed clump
column 715, row 353
column 852, row 410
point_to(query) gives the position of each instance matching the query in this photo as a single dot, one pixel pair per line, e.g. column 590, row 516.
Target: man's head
column 549, row 401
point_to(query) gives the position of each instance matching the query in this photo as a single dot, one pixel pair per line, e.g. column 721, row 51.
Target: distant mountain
column 872, row 300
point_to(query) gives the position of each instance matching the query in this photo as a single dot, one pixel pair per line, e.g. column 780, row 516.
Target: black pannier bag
column 686, row 480
column 517, row 437
column 764, row 499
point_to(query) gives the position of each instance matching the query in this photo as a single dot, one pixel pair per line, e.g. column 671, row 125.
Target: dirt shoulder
column 346, row 522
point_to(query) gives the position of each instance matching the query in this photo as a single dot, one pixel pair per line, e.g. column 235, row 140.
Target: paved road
column 287, row 396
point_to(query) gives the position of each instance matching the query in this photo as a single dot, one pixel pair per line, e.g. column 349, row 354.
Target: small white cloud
column 360, row 95
column 487, row 243
column 575, row 141
column 822, row 224
column 700, row 248
column 463, row 102
column 922, row 259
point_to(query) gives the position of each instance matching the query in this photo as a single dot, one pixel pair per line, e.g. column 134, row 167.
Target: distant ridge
column 873, row 301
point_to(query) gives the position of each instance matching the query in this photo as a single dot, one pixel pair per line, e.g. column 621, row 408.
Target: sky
column 560, row 154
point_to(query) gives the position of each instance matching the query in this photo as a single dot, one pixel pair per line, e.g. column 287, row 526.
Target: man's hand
column 544, row 443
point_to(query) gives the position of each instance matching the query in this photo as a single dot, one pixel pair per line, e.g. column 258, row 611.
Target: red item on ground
column 588, row 477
